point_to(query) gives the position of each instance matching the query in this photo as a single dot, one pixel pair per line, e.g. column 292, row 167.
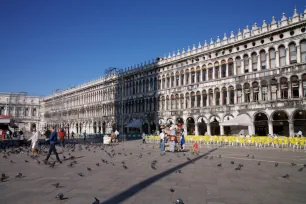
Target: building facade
column 259, row 72
column 24, row 109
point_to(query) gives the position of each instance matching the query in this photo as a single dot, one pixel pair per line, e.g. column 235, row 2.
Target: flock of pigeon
column 71, row 161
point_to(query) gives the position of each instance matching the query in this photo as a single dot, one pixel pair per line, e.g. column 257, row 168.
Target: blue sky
column 48, row 45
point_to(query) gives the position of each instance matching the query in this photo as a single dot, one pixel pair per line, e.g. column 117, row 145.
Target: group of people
column 173, row 139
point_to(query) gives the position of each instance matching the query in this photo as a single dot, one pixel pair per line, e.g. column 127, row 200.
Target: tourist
column 84, row 136
column 143, row 138
column 113, row 137
column 72, row 135
column 162, row 141
column 53, row 141
column 21, row 138
column 117, row 135
column 195, row 148
column 34, row 142
column 300, row 134
column 61, row 134
column 183, row 140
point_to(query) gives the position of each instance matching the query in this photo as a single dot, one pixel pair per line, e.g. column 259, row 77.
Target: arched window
column 273, row 83
column 155, row 83
column 187, row 101
column 224, row 96
column 163, row 103
column 239, row 93
column 246, row 63
column 168, row 81
column 304, row 85
column 238, row 65
column 177, row 98
column 210, row 71
column 272, row 56
column 263, row 60
column 217, row 70
column 282, row 56
column 303, row 51
column 254, row 62
column 198, row 99
column 168, row 103
column 192, row 76
column 182, row 78
column 204, row 73
column 187, row 77
column 198, row 70
column 231, row 95
column 192, row 99
column 284, row 88
column 172, row 102
column 211, row 97
column 204, row 98
column 295, row 87
column 292, row 53
column 177, row 79
column 255, row 91
column 223, row 68
column 172, row 80
column 230, row 67
column 182, row 101
column 26, row 112
column 217, row 92
column 151, row 85
column 159, row 84
column 264, row 90
column 164, row 82
column 247, row 92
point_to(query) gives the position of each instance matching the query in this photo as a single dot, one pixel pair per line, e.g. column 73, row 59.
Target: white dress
column 34, row 140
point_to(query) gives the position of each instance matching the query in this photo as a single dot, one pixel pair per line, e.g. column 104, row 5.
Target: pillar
column 291, row 128
column 234, row 67
column 301, row 88
column 221, row 129
column 276, row 59
column 267, row 60
column 208, row 129
column 269, row 93
column 228, row 97
column 287, row 56
column 270, row 124
column 196, row 130
column 298, row 54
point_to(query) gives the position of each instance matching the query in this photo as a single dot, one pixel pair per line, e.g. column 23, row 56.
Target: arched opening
column 198, row 71
column 177, row 79
column 187, row 100
column 272, row 56
column 187, row 76
column 182, row 78
column 217, row 95
column 247, row 93
column 295, row 87
column 223, row 68
column 255, row 91
column 231, row 95
column 192, row 99
column 204, row 74
column 280, row 123
column 239, row 93
column 198, row 98
column 230, row 67
column 282, row 55
column 192, row 76
column 292, row 53
column 190, row 126
column 304, row 85
column 33, row 127
column 204, row 98
column 217, row 70
column 254, row 61
column 77, row 128
column 273, row 93
column 177, row 98
column 182, row 101
column 261, row 124
column 172, row 102
column 228, row 129
column 95, row 127
column 214, row 125
column 224, row 96
column 246, row 63
column 202, row 126
column 264, row 90
column 99, row 127
column 103, row 127
column 284, row 88
column 299, row 121
column 210, row 71
column 145, row 128
column 263, row 60
column 238, row 65
column 303, row 50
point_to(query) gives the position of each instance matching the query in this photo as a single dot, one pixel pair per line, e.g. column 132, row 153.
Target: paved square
column 200, row 181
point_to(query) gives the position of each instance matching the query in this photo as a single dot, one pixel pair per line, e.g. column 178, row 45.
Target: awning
column 240, row 120
column 135, row 124
column 5, row 119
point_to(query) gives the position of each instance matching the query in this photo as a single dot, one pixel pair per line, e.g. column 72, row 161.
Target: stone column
column 228, row 97
column 270, row 124
column 289, row 89
column 287, row 56
column 276, row 59
column 241, row 65
column 196, row 130
column 291, row 128
column 235, row 96
column 269, row 92
column 267, row 60
column 301, row 88
column 208, row 129
column 258, row 63
column 234, row 67
column 298, row 54
column 279, row 91
column 259, row 93
column 221, row 129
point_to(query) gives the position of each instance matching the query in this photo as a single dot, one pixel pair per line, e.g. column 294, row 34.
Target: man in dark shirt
column 53, row 141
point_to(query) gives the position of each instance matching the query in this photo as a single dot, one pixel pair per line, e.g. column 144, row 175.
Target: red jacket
column 61, row 134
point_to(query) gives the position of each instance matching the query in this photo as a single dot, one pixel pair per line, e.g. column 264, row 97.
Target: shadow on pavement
column 138, row 187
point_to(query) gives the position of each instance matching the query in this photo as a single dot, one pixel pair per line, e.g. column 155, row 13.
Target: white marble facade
column 259, row 71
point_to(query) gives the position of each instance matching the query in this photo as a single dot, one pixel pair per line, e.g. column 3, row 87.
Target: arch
column 202, row 126
column 190, row 126
column 261, row 123
column 170, row 121
column 299, row 121
column 179, row 121
column 214, row 125
column 295, row 92
column 280, row 122
column 227, row 129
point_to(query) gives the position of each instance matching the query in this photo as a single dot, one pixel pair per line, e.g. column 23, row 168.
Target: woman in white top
column 34, row 142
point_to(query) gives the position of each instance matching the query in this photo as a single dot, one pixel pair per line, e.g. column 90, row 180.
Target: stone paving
column 201, row 181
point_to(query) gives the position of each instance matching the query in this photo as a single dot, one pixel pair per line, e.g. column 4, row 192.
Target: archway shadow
column 140, row 186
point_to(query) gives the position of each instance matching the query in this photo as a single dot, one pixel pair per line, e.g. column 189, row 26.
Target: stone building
column 22, row 108
column 256, row 77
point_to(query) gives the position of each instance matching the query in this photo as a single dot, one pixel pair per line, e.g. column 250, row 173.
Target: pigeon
column 205, row 157
column 220, row 165
column 293, row 164
column 97, row 164
column 4, row 156
column 26, row 161
column 241, row 165
column 60, row 196
column 97, row 201
column 188, row 159
column 304, row 165
column 38, row 162
column 125, row 167
column 211, row 158
column 52, row 165
column 276, row 164
column 153, row 166
column 178, row 171
column 56, row 185
column 238, row 168
column 169, row 160
column 140, row 156
column 3, row 177
column 259, row 163
column 12, row 161
column 172, row 190
column 253, row 157
column 179, row 201
column 232, row 162
column 80, row 174
column 219, row 155
column 70, row 165
column 286, row 176
column 19, row 175
column 247, row 155
column 88, row 169
column 301, row 169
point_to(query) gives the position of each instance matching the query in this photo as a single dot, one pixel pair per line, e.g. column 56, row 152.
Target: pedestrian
column 143, row 138
column 183, row 141
column 34, row 142
column 162, row 141
column 84, row 136
column 117, row 135
column 61, row 134
column 72, row 135
column 53, row 141
column 21, row 138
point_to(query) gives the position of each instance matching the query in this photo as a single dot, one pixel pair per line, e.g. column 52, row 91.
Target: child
column 195, row 148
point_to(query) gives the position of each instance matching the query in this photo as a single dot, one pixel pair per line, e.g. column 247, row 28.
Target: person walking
column 183, row 140
column 143, row 138
column 117, row 135
column 53, row 141
column 85, row 136
column 34, row 142
column 72, row 135
column 61, row 134
column 162, row 141
column 21, row 138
